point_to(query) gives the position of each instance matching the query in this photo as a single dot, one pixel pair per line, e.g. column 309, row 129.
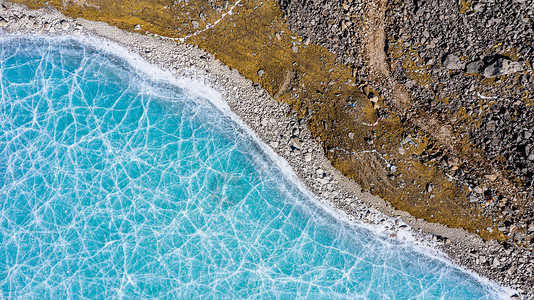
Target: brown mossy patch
column 465, row 6
column 256, row 37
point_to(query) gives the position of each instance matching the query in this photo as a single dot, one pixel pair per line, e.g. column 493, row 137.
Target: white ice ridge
column 115, row 183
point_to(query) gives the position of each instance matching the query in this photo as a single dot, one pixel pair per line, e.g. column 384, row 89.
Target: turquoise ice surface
column 117, row 184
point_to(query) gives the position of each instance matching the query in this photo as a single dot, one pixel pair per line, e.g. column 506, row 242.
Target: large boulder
column 502, row 66
column 453, row 62
column 474, row 67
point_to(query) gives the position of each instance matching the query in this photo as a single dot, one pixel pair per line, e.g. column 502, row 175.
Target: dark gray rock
column 502, row 66
column 475, row 67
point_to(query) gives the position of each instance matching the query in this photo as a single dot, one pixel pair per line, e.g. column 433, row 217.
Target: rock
column 444, row 162
column 496, row 262
column 261, row 72
column 491, row 177
column 137, row 27
column 452, row 62
column 295, row 143
column 64, row 25
column 502, row 66
column 373, row 98
column 195, row 24
column 3, row 22
column 479, row 7
column 322, row 181
column 295, row 48
column 475, row 67
column 77, row 32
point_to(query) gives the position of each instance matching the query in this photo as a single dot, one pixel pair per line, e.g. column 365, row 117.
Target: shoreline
column 274, row 124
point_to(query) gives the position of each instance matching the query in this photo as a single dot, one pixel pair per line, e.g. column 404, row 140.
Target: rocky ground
column 468, row 66
column 477, row 57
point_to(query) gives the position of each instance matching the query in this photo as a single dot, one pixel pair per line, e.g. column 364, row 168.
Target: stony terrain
column 479, row 58
column 465, row 65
